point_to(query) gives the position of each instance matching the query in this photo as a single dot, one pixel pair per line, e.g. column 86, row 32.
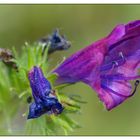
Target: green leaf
column 52, row 78
column 59, row 87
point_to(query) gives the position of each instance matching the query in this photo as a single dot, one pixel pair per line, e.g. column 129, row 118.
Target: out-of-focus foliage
column 83, row 24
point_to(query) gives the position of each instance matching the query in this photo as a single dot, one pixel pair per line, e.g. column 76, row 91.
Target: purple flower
column 45, row 100
column 57, row 42
column 107, row 65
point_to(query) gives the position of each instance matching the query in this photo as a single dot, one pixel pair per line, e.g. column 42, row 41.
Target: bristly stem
column 15, row 89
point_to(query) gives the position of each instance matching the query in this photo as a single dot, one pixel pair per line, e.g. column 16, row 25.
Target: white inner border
column 69, row 1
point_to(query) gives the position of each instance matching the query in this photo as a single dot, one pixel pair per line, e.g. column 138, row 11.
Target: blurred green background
column 82, row 24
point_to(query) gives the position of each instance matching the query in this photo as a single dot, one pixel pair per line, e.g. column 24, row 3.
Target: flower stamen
column 114, row 63
column 135, row 89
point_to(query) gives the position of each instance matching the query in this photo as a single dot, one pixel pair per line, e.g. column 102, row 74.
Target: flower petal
column 36, row 110
column 49, row 106
column 118, row 91
column 39, row 84
column 57, row 42
column 107, row 65
column 116, row 34
column 45, row 100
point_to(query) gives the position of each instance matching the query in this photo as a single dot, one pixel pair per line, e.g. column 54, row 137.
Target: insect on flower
column 57, row 42
column 45, row 101
column 108, row 65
